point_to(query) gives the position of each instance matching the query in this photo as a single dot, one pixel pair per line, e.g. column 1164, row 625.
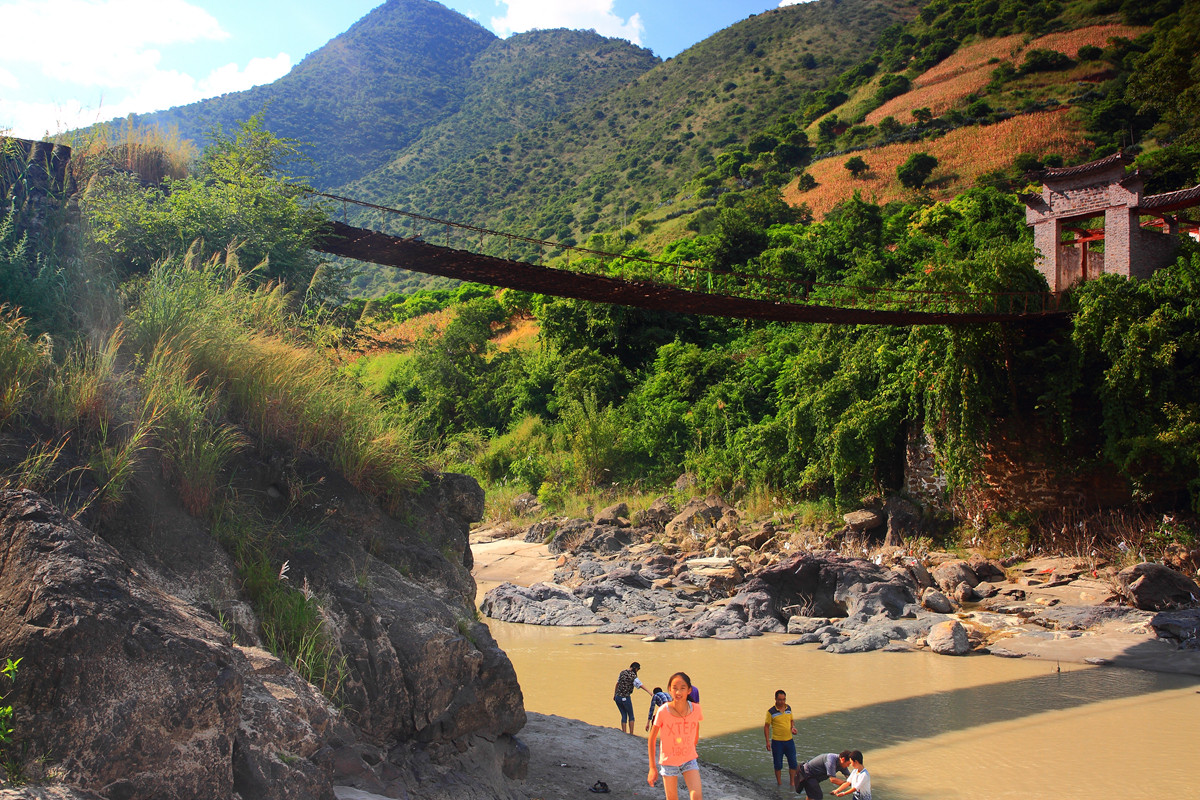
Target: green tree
column 916, row 170
column 242, row 196
column 857, row 166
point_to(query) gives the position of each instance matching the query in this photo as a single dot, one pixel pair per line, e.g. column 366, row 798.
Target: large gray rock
column 949, row 639
column 656, row 517
column 540, row 604
column 132, row 692
column 1155, row 587
column 827, row 585
column 864, row 520
column 948, row 575
column 936, row 601
column 698, row 518
column 1182, row 625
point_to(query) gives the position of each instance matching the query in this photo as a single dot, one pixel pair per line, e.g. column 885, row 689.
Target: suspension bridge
column 455, row 250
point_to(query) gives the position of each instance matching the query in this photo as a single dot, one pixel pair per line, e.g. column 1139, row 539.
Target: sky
column 69, row 63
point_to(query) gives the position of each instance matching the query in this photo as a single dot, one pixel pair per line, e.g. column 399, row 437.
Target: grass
column 21, row 362
column 150, row 152
column 235, row 335
column 963, row 155
column 293, row 624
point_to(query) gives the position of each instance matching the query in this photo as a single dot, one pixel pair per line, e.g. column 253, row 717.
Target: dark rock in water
column 132, row 692
column 860, row 642
column 1155, row 587
column 540, row 604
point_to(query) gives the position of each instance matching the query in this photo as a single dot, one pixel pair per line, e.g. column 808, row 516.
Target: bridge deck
column 418, row 256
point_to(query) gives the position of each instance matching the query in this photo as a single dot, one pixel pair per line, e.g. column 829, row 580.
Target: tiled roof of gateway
column 1082, row 169
column 1184, row 198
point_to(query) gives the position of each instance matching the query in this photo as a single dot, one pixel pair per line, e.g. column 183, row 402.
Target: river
column 972, row 728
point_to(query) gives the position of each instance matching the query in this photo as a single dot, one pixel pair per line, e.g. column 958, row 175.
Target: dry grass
column 151, row 153
column 404, row 334
column 521, row 335
column 969, row 69
column 963, row 155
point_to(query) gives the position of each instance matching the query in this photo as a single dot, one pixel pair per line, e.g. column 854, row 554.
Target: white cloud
column 156, row 91
column 524, row 15
column 105, row 58
column 101, row 42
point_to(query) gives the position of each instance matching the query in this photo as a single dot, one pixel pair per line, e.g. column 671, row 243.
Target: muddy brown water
column 978, row 727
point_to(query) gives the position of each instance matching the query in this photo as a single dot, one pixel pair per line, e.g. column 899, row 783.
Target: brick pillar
column 1120, row 225
column 1047, row 235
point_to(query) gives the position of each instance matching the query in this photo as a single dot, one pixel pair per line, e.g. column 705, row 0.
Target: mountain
column 637, row 145
column 362, row 97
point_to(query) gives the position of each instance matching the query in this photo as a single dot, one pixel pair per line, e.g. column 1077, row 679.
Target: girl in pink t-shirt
column 677, row 724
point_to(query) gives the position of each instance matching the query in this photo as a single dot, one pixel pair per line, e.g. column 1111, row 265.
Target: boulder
column 963, row 593
column 936, row 601
column 1182, row 625
column 616, row 515
column 660, row 512
column 949, row 639
column 757, row 538
column 1155, row 587
column 800, row 625
column 864, row 520
column 949, row 574
column 686, row 481
column 525, row 504
column 698, row 517
column 987, row 569
column 133, row 693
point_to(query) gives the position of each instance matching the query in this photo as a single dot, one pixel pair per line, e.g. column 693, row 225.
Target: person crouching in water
column 859, row 783
column 678, row 725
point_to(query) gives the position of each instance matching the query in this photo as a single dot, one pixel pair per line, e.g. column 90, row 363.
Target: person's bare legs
column 692, row 779
column 671, row 787
column 778, row 778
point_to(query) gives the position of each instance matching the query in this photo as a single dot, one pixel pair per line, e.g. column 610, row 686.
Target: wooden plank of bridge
column 419, row 256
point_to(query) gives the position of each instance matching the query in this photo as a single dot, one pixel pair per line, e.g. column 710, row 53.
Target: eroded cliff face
column 131, row 687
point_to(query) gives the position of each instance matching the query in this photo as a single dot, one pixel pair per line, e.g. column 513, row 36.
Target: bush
column 856, row 165
column 916, row 170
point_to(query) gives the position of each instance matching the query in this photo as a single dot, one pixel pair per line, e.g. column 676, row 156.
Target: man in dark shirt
column 823, row 767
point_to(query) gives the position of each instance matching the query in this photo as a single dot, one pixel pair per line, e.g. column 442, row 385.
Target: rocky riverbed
column 615, row 575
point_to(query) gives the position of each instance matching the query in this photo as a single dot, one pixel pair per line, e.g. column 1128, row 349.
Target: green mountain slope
column 639, row 144
column 516, row 85
column 363, row 96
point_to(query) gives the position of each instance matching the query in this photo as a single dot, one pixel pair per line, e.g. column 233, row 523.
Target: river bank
column 1049, row 609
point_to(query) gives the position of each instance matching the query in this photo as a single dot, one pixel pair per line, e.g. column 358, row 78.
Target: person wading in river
column 627, row 681
column 779, row 730
column 810, row 774
column 677, row 723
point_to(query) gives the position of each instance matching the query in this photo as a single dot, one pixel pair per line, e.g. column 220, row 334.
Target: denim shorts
column 668, row 771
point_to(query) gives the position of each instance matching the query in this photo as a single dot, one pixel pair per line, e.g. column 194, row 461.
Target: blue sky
column 76, row 62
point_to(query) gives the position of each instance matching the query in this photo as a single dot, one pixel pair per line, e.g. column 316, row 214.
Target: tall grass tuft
column 292, row 622
column 21, row 362
column 282, row 392
column 79, row 392
column 115, row 457
column 152, row 153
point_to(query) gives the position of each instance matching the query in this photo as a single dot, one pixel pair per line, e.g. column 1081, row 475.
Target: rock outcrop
column 135, row 691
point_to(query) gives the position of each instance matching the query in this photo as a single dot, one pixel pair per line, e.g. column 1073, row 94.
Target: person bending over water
column 677, row 723
column 824, row 767
column 859, row 783
column 627, row 681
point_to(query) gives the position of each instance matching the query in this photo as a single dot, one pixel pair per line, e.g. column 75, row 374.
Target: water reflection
column 931, row 726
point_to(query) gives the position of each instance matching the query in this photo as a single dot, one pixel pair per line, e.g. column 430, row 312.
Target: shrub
column 916, row 170
column 856, row 165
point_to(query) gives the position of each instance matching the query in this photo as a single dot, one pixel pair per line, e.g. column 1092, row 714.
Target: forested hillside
column 363, row 96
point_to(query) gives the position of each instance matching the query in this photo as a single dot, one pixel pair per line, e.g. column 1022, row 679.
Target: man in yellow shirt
column 779, row 730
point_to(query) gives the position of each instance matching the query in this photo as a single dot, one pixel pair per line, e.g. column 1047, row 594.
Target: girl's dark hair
column 683, row 675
